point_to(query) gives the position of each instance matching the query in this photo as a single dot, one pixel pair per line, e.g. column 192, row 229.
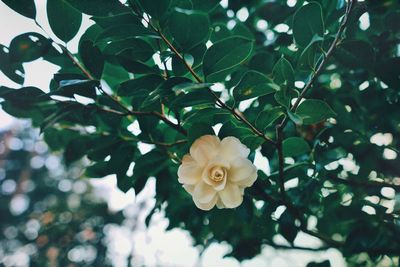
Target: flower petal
column 206, row 206
column 219, row 204
column 205, row 148
column 189, row 171
column 189, row 188
column 242, row 172
column 203, row 193
column 231, row 196
column 232, row 148
column 205, row 175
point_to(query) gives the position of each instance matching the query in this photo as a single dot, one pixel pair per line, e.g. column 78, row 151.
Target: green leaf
column 206, row 6
column 356, row 54
column 149, row 164
column 219, row 32
column 24, row 95
column 181, row 25
column 58, row 13
column 58, row 139
column 75, row 150
column 24, row 7
column 155, row 10
column 137, row 49
column 135, row 86
column 254, row 84
column 164, row 91
column 392, row 21
column 116, row 20
column 57, row 116
column 245, row 135
column 295, row 118
column 287, row 226
column 307, row 23
column 285, row 96
column 192, row 99
column 207, row 115
column 294, row 146
column 14, row 71
column 121, row 32
column 98, row 7
column 266, row 117
column 313, row 111
column 178, row 67
column 114, row 74
column 283, row 73
column 98, row 170
column 199, row 129
column 223, row 56
column 69, row 88
column 262, row 62
column 92, row 58
column 325, row 263
column 135, row 66
column 310, row 55
column 28, row 47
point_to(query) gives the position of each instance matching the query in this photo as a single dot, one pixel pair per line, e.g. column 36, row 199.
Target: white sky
column 154, row 245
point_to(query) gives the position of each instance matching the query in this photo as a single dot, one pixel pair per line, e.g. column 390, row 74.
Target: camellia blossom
column 216, row 172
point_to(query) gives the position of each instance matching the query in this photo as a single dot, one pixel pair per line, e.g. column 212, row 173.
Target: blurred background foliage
column 49, row 217
column 165, row 74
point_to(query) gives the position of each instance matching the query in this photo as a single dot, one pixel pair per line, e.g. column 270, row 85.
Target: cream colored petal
column 203, row 193
column 219, row 204
column 205, row 148
column 242, row 172
column 189, row 188
column 231, row 196
column 241, row 190
column 206, row 206
column 189, row 171
column 205, row 175
column 232, row 148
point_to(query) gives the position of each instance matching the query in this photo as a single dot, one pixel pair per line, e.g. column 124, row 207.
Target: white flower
column 217, row 172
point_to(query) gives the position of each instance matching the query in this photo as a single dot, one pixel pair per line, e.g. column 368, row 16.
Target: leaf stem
column 219, row 102
column 280, row 127
column 324, row 61
column 162, row 117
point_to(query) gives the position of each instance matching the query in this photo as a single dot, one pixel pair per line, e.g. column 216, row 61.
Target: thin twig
column 279, row 148
column 326, row 58
column 219, row 102
column 162, row 117
column 281, row 126
column 179, row 142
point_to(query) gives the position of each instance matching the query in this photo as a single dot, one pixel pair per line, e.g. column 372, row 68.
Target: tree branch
column 280, row 127
column 326, row 58
column 220, row 103
column 162, row 117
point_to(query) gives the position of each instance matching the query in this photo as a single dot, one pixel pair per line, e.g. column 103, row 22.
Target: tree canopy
column 304, row 84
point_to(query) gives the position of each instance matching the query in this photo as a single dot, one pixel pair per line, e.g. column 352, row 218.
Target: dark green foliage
column 310, row 90
column 26, row 8
column 61, row 8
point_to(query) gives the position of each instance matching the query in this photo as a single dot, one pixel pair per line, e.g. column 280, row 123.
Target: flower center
column 217, row 173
